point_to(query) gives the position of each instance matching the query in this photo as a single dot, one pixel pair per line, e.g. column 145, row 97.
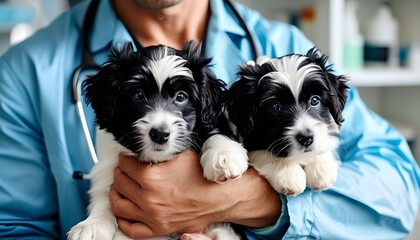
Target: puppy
column 155, row 104
column 288, row 112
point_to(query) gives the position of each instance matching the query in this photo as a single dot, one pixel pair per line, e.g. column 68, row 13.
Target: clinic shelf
column 385, row 77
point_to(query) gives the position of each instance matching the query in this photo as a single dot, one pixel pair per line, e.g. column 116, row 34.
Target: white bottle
column 353, row 40
column 382, row 31
column 414, row 56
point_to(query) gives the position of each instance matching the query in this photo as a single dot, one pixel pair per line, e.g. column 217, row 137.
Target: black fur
column 124, row 90
column 253, row 97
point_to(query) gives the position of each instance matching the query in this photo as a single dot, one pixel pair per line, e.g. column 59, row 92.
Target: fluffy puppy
column 288, row 112
column 155, row 104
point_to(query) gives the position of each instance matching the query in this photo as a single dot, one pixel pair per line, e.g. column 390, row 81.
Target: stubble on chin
column 156, row 4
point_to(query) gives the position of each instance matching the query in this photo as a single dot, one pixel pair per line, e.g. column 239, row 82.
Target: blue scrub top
column 41, row 140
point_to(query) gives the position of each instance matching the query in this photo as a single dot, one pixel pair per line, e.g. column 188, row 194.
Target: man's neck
column 172, row 26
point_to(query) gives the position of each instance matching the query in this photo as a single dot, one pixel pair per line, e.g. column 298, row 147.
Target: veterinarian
column 42, row 142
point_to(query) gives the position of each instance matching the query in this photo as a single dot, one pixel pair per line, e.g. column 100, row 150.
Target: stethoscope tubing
column 77, row 93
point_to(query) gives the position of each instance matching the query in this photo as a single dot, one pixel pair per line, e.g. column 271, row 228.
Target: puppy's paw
column 221, row 231
column 291, row 180
column 321, row 173
column 92, row 229
column 223, row 158
column 120, row 236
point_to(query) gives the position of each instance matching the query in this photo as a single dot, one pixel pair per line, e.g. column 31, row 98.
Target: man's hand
column 159, row 199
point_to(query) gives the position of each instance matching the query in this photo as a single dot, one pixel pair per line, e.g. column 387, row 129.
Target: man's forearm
column 259, row 204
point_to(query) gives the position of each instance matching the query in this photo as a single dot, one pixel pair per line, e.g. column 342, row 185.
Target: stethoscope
column 89, row 65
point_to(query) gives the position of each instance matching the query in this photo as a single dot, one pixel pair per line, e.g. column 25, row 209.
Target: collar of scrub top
column 103, row 37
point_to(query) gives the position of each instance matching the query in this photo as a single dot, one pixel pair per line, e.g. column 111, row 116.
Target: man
column 41, row 141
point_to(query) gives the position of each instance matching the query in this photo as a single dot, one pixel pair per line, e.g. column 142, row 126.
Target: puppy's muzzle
column 305, row 139
column 159, row 135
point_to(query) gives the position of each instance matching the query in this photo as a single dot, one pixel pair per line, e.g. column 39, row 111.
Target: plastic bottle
column 414, row 56
column 353, row 40
column 382, row 37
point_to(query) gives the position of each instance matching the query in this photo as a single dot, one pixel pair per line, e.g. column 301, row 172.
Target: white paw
column 221, row 231
column 321, row 173
column 223, row 158
column 92, row 229
column 290, row 180
column 120, row 236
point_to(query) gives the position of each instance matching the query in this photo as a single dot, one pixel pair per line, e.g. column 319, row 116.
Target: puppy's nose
column 305, row 139
column 159, row 135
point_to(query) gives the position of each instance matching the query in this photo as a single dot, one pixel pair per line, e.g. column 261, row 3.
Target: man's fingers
column 130, row 166
column 133, row 168
column 126, row 186
column 124, row 208
column 135, row 229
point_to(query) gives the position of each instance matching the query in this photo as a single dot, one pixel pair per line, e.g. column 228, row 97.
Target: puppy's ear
column 337, row 84
column 101, row 89
column 211, row 89
column 192, row 51
column 100, row 95
column 242, row 99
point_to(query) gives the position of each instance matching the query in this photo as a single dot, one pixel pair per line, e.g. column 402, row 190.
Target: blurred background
column 375, row 42
column 20, row 18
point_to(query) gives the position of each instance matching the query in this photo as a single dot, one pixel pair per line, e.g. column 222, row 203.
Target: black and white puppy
column 155, row 104
column 288, row 112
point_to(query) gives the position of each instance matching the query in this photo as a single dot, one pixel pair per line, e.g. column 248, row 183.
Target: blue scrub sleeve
column 275, row 231
column 27, row 191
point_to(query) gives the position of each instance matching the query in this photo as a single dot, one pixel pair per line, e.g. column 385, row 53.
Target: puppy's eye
column 181, row 97
column 314, row 101
column 138, row 96
column 274, row 107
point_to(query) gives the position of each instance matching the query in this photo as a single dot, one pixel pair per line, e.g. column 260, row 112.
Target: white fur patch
column 289, row 72
column 221, row 231
column 322, row 172
column 223, row 158
column 323, row 141
column 153, row 152
column 167, row 67
column 291, row 178
column 101, row 222
column 284, row 175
